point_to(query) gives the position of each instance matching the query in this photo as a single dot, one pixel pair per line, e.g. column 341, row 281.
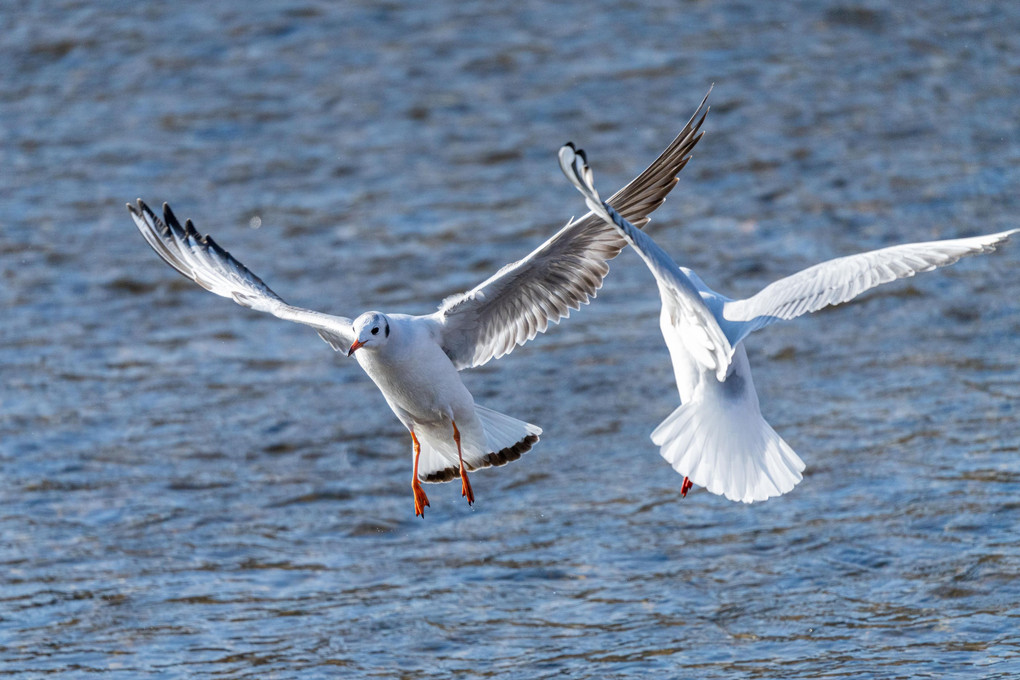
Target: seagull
column 415, row 360
column 717, row 438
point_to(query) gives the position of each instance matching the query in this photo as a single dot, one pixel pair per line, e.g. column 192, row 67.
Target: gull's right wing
column 202, row 260
column 844, row 278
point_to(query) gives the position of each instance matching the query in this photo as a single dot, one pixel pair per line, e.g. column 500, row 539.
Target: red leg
column 421, row 501
column 465, row 485
column 686, row 486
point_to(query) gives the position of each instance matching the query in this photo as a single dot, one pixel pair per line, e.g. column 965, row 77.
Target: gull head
column 371, row 329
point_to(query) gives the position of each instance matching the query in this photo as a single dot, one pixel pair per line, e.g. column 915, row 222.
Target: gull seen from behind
column 717, row 438
column 415, row 360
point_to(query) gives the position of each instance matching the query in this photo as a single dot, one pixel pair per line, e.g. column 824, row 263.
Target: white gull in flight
column 414, row 360
column 717, row 437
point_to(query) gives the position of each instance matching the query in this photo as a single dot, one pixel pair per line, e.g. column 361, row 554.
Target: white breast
column 415, row 375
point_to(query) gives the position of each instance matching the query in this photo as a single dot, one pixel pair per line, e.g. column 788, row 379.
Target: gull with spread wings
column 414, row 360
column 717, row 437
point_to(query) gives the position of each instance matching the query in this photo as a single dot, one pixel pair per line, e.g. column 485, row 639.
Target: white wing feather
column 842, row 279
column 202, row 260
column 691, row 317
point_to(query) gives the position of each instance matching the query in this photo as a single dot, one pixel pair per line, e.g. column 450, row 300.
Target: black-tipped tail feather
column 496, row 458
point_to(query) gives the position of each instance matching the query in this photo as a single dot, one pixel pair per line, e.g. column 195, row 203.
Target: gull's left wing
column 689, row 314
column 524, row 297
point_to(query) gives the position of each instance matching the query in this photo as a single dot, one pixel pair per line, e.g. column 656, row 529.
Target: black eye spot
column 375, row 331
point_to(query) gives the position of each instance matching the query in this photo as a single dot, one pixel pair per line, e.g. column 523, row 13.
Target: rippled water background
column 189, row 489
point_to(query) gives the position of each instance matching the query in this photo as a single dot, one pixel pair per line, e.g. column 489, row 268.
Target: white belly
column 419, row 383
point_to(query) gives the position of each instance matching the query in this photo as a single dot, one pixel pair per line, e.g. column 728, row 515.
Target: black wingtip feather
column 146, row 211
column 171, row 219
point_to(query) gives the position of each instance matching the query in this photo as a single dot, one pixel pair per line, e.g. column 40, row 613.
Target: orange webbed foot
column 685, row 487
column 465, row 488
column 421, row 501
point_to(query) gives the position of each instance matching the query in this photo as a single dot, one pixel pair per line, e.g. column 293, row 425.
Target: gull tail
column 728, row 448
column 508, row 438
column 500, row 440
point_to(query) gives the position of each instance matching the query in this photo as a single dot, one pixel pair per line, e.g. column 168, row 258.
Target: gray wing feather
column 565, row 272
column 202, row 260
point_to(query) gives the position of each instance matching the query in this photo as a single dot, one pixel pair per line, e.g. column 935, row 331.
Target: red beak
column 356, row 345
